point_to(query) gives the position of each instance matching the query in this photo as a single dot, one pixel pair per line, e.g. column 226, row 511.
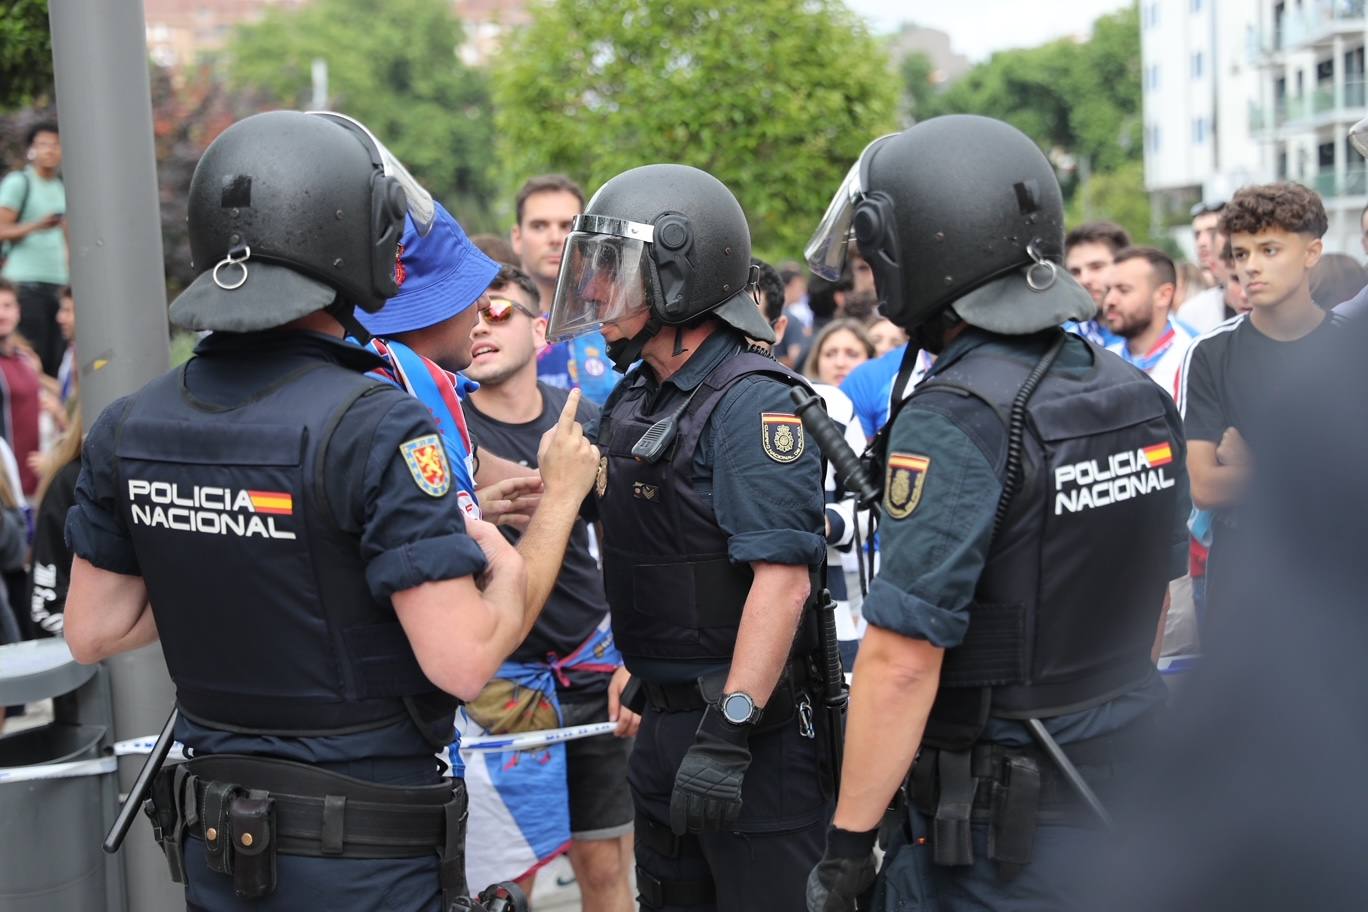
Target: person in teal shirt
column 33, row 241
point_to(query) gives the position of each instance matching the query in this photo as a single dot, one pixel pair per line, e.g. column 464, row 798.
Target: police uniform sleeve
column 408, row 535
column 1199, row 396
column 941, row 491
column 95, row 527
column 767, row 496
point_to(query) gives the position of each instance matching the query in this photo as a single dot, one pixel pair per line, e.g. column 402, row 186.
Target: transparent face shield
column 826, row 252
column 1358, row 136
column 606, row 276
column 420, row 205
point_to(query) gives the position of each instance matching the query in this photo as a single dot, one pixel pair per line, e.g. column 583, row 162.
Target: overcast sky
column 979, row 27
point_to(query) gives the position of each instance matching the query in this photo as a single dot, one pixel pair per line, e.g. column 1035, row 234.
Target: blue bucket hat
column 440, row 274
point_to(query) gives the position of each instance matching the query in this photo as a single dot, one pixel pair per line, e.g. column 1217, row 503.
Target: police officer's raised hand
column 707, row 789
column 845, row 872
column 568, row 461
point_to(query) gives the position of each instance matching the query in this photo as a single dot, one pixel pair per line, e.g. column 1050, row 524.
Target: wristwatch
column 739, row 708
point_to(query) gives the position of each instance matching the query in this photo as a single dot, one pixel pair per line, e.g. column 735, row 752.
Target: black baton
column 1071, row 773
column 849, row 470
column 835, row 692
column 141, row 786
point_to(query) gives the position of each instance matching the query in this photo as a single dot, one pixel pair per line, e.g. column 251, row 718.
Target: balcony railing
column 1296, row 109
column 1354, row 182
column 1317, row 21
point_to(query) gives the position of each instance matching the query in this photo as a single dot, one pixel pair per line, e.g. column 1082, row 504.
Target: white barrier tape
column 532, row 740
column 97, row 766
column 517, row 741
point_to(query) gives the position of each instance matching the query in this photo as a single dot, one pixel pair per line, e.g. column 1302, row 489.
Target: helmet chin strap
column 626, row 352
column 345, row 314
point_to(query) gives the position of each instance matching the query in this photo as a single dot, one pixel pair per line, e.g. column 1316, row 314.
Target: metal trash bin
column 58, row 791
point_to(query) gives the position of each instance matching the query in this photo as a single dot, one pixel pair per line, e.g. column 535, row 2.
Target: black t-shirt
column 1232, row 373
column 51, row 557
column 577, row 603
column 1230, row 378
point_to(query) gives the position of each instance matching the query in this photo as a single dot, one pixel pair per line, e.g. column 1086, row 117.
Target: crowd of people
column 469, row 334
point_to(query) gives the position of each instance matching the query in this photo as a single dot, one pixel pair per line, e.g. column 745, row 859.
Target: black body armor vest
column 673, row 591
column 261, row 602
column 1065, row 612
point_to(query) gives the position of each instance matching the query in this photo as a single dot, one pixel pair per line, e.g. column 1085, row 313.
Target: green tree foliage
column 1118, row 196
column 395, row 68
column 1077, row 98
column 917, row 70
column 775, row 99
column 25, row 52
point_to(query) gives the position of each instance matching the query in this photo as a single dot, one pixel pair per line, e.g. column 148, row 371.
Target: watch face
column 737, row 708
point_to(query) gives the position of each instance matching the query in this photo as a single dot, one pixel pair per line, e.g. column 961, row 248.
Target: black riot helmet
column 293, row 212
column 670, row 240
column 945, row 208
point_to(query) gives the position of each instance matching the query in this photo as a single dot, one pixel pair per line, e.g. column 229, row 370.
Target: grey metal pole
column 114, row 226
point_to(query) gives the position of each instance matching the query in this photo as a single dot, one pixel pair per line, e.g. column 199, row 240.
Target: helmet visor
column 1358, row 136
column 604, row 278
column 420, row 205
column 826, row 252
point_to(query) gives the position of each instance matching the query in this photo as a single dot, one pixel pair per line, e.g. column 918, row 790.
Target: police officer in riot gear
column 711, row 504
column 321, row 603
column 1033, row 511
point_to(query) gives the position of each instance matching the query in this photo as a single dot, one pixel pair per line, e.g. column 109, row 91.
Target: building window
column 1197, row 65
column 1199, row 130
column 1196, row 6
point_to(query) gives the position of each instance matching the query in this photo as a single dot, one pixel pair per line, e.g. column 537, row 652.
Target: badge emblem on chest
column 781, row 435
column 426, row 461
column 601, row 477
column 905, row 476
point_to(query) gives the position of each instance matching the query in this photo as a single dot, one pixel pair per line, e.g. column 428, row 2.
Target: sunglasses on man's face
column 500, row 309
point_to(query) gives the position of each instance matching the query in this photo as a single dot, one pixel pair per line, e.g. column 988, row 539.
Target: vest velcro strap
column 993, row 651
column 952, row 838
column 655, row 893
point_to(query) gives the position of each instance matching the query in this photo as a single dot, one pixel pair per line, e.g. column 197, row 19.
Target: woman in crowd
column 885, row 335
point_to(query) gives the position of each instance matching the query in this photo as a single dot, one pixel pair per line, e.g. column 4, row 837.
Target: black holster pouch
column 168, row 826
column 992, row 785
column 1014, row 806
column 952, row 837
column 251, row 820
column 218, row 840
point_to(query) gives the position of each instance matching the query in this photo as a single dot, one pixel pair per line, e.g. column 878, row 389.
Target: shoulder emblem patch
column 781, row 434
column 427, row 463
column 904, row 478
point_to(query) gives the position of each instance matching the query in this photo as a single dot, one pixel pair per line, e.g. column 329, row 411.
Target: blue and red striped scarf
column 441, row 391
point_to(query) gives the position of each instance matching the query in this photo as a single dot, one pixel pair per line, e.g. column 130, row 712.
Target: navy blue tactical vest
column 673, row 591
column 1066, row 610
column 261, row 601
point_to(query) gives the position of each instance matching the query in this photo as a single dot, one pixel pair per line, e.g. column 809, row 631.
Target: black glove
column 844, row 873
column 707, row 790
